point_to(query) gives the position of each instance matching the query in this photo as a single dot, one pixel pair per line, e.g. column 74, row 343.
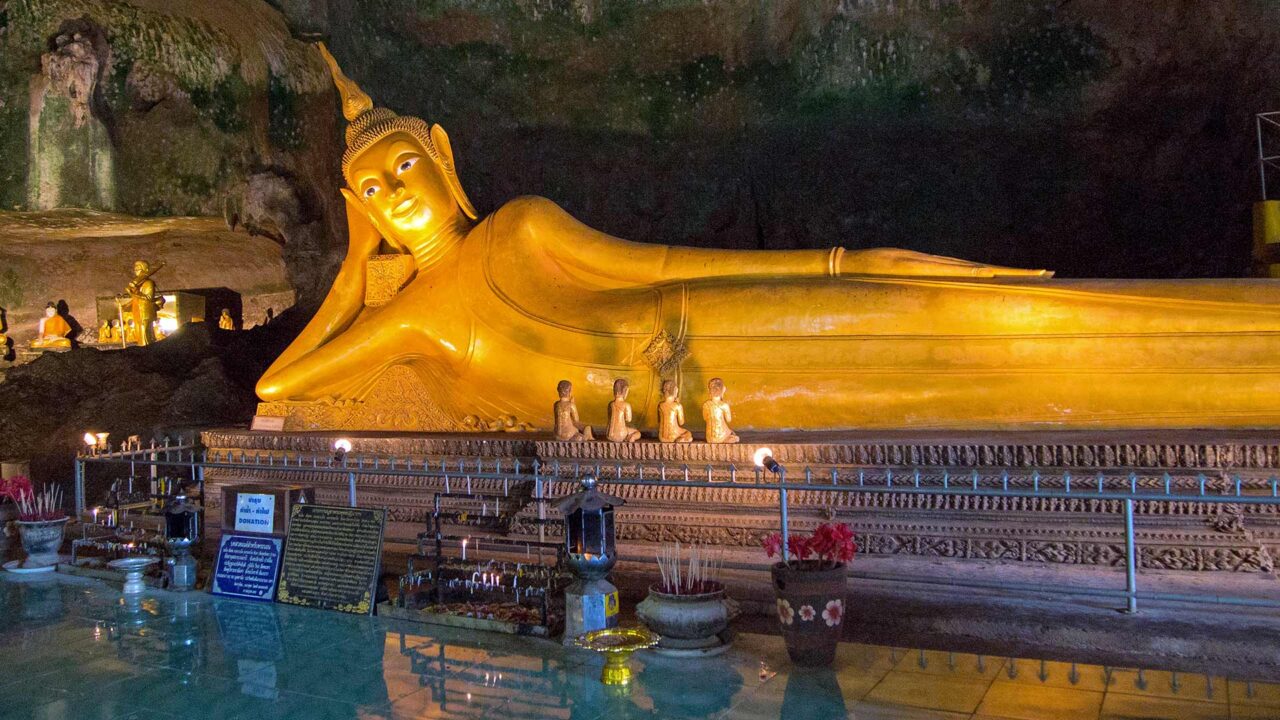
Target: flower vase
column 41, row 540
column 810, row 606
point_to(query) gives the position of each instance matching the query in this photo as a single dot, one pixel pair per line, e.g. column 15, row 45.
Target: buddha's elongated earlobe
column 441, row 141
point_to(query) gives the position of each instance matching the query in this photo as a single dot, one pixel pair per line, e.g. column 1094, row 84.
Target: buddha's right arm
column 346, row 296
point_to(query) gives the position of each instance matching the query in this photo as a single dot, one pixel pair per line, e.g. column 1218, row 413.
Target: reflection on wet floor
column 71, row 648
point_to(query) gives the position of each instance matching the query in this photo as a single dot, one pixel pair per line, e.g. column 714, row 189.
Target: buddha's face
column 399, row 182
column 50, row 312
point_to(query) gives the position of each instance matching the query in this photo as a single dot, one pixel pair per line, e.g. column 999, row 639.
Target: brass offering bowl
column 617, row 644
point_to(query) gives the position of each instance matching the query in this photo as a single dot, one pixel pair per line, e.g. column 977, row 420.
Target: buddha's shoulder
column 529, row 214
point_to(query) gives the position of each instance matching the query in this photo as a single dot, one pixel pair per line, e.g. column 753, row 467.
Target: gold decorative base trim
column 398, row 401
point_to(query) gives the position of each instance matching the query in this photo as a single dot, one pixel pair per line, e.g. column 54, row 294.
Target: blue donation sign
column 247, row 567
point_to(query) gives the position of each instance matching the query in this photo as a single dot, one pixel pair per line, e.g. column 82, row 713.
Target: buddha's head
column 400, row 168
column 50, row 310
column 564, row 389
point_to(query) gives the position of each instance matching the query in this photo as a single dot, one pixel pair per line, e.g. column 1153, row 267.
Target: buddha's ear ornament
column 367, row 124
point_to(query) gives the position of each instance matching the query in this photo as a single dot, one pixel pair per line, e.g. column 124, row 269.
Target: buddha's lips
column 405, row 207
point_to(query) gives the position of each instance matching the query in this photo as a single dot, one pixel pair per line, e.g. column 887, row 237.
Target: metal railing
column 1124, row 486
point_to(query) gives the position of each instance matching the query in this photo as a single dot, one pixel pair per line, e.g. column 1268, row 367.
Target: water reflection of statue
column 498, row 308
column 52, row 330
column 568, row 426
column 144, row 302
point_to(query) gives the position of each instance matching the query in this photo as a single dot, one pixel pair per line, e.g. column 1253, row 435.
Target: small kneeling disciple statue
column 568, row 427
column 716, row 412
column 671, row 416
column 620, row 414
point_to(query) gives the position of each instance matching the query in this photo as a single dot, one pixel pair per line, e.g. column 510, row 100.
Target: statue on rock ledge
column 484, row 313
column 52, row 331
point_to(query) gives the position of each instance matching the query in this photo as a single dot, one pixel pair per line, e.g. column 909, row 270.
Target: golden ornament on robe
column 494, row 310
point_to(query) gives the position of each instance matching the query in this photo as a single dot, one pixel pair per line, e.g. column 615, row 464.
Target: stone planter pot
column 41, row 540
column 810, row 610
column 684, row 617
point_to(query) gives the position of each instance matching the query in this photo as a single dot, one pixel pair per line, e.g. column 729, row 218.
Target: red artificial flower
column 772, row 544
column 834, row 542
column 799, row 546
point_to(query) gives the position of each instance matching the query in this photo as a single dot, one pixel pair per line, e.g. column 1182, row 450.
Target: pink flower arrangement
column 829, row 544
column 15, row 488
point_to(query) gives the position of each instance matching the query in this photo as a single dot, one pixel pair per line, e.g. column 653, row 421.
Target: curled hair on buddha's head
column 367, row 125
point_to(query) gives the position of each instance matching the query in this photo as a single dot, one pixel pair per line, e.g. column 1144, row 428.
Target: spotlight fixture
column 764, row 459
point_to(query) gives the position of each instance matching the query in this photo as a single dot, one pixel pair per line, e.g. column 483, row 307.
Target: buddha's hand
column 362, row 237
column 890, row 261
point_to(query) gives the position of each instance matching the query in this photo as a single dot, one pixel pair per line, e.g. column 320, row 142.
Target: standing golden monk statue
column 144, row 302
column 484, row 312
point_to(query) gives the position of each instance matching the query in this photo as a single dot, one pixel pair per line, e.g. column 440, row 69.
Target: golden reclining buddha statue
column 439, row 320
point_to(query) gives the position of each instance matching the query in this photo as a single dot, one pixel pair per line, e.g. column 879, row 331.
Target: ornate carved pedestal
column 1181, row 535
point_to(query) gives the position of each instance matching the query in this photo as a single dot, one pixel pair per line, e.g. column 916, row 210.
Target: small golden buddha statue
column 497, row 307
column 671, row 416
column 225, row 321
column 620, row 415
column 104, row 333
column 567, row 425
column 716, row 413
column 52, row 331
column 144, row 302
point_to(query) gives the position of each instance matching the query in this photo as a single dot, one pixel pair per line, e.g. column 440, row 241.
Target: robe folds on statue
column 531, row 296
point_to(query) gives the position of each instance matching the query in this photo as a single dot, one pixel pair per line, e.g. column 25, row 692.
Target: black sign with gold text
column 332, row 557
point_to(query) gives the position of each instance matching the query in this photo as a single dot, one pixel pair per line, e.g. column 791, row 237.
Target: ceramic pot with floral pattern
column 810, row 603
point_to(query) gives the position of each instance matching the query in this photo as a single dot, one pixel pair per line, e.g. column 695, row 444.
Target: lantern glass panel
column 607, row 539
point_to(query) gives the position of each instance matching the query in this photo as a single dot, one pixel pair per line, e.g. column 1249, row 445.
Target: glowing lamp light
column 341, row 447
column 168, row 325
column 90, row 439
column 763, row 458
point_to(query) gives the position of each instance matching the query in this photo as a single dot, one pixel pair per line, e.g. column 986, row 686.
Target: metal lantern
column 181, row 531
column 591, row 602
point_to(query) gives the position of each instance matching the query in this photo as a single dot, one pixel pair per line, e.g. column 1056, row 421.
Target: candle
column 464, row 548
column 95, row 516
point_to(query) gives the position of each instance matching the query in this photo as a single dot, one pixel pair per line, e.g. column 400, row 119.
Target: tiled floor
column 70, row 648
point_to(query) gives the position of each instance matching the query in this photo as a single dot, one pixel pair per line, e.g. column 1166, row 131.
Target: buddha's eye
column 404, row 166
column 370, row 191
